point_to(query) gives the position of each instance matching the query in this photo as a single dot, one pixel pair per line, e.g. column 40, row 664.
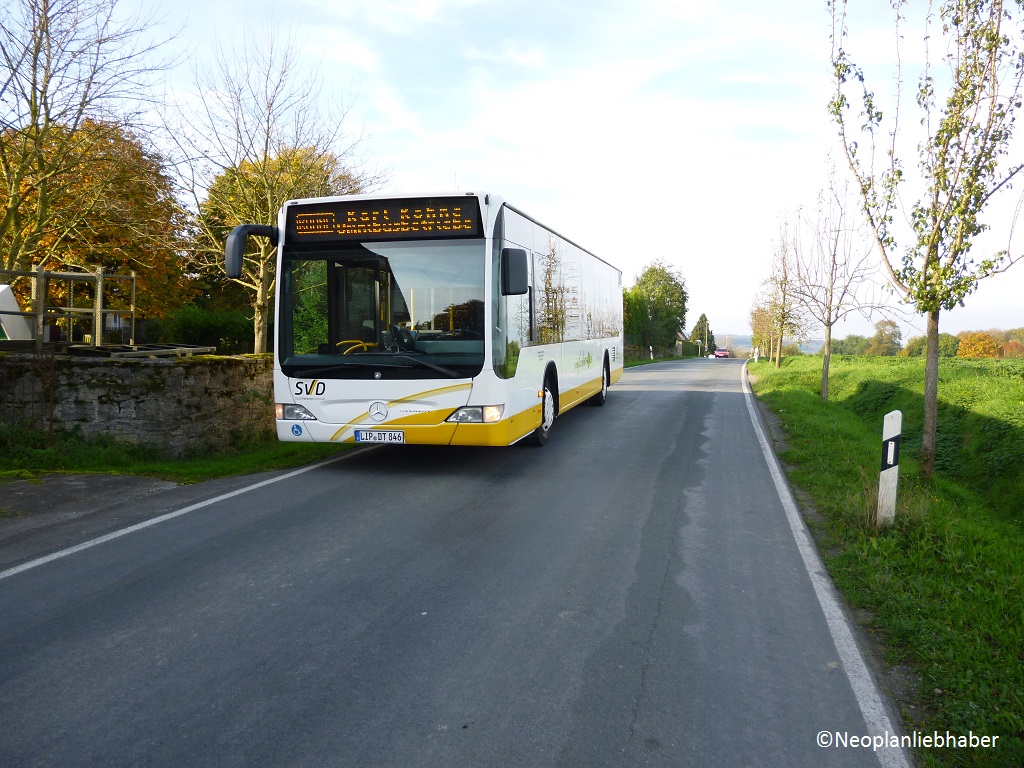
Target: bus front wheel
column 548, row 410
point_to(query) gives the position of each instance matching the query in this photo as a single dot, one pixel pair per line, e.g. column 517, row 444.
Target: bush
column 229, row 331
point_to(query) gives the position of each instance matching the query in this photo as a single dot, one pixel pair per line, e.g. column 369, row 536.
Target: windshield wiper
column 446, row 371
column 306, row 372
column 377, row 362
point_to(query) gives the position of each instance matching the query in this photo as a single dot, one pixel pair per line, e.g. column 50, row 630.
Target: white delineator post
column 888, row 478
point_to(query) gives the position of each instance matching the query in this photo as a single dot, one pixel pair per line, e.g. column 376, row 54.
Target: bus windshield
column 392, row 310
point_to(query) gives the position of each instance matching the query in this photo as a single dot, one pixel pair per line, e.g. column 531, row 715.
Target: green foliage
column 309, row 319
column 634, row 316
column 655, row 307
column 915, row 346
column 945, row 585
column 886, row 342
column 688, row 349
column 948, row 345
column 851, row 345
column 791, row 350
column 229, row 331
column 702, row 332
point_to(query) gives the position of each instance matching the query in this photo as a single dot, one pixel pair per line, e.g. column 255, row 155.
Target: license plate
column 380, row 436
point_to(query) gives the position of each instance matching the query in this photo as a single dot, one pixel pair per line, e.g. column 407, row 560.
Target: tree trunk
column 261, row 312
column 259, row 327
column 931, row 395
column 826, row 361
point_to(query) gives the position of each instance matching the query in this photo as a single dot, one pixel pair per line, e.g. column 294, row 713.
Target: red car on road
column 721, row 352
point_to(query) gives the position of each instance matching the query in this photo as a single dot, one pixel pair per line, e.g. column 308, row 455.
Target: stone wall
column 180, row 405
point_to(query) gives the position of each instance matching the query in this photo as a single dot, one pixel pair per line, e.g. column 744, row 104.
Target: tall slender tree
column 702, row 333
column 962, row 153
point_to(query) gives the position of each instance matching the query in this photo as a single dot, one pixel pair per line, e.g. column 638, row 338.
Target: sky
column 685, row 131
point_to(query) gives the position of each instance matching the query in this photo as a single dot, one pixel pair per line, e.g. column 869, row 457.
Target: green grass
column 944, row 586
column 28, row 454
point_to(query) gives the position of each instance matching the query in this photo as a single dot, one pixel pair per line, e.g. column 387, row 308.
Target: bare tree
column 963, row 141
column 260, row 136
column 833, row 264
column 72, row 76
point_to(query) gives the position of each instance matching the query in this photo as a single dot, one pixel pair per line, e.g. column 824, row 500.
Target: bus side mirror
column 515, row 272
column 234, row 247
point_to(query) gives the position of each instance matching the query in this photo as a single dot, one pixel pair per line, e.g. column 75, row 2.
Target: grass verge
column 942, row 590
column 29, row 454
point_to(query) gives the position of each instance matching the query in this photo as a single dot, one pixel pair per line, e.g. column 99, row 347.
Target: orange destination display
column 405, row 219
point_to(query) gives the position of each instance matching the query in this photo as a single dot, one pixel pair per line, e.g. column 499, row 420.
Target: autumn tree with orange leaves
column 72, row 74
column 115, row 209
column 977, row 345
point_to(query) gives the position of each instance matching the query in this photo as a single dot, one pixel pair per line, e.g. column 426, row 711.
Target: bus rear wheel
column 602, row 397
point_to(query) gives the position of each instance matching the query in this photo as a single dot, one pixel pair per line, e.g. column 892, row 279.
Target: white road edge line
column 164, row 518
column 864, row 689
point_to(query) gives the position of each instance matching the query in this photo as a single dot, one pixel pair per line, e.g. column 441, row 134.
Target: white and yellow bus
column 450, row 319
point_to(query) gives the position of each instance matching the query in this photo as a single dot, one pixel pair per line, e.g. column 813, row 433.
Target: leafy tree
column 247, row 194
column 114, row 208
column 762, row 328
column 72, row 74
column 949, row 345
column 916, row 345
column 887, row 341
column 634, row 315
column 702, row 332
column 978, row 345
column 784, row 311
column 1013, row 348
column 852, row 345
column 656, row 306
column 965, row 137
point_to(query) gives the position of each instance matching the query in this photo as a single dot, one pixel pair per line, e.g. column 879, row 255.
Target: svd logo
column 314, row 388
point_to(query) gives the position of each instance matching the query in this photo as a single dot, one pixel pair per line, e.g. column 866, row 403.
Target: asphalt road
column 631, row 594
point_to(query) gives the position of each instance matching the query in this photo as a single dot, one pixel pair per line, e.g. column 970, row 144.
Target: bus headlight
column 477, row 414
column 292, row 412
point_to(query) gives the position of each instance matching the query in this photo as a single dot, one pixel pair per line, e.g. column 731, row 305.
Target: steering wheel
column 357, row 345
